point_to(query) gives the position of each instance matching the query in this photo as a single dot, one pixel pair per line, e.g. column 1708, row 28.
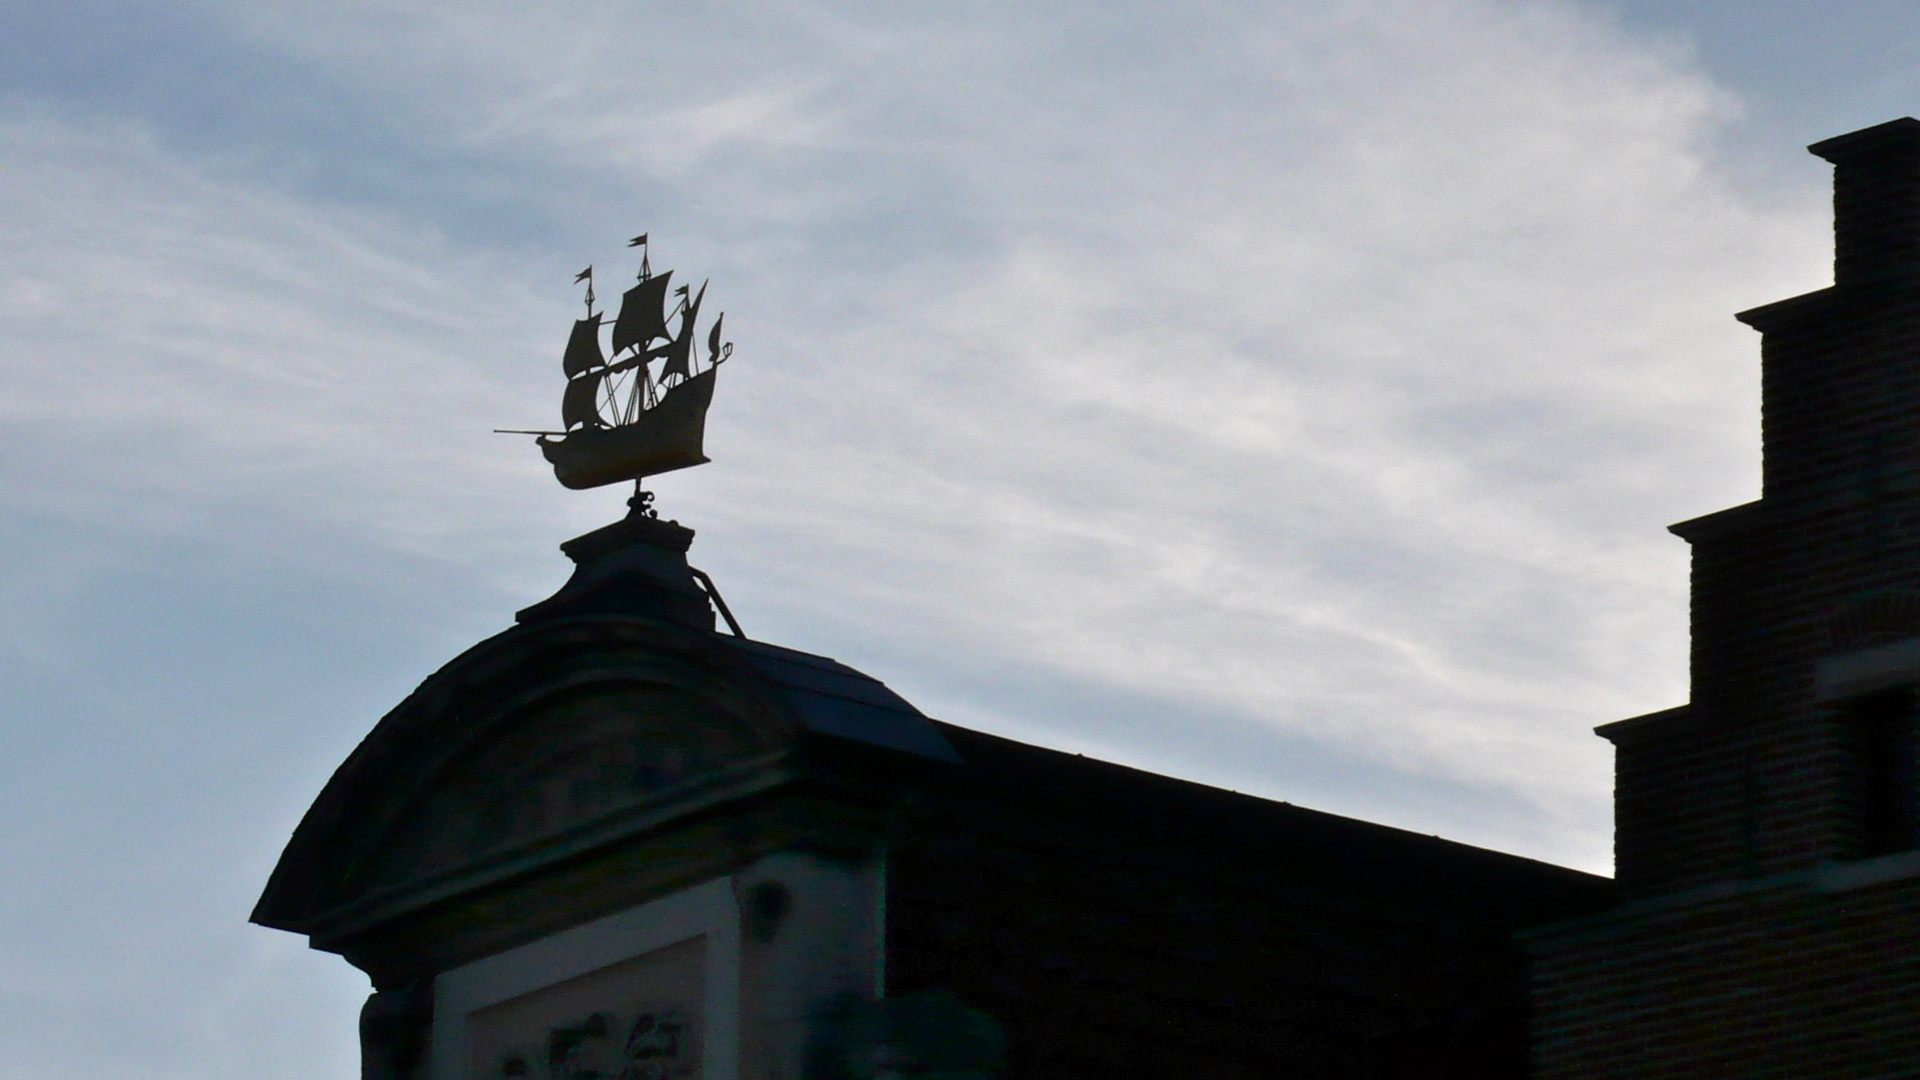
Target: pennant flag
column 638, row 241
column 583, row 275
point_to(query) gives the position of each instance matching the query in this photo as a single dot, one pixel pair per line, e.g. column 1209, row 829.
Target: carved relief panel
column 635, row 1020
column 651, row 993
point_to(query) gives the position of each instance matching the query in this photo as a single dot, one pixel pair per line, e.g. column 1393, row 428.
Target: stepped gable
column 1766, row 833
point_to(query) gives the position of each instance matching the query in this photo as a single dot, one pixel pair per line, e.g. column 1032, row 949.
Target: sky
column 1288, row 396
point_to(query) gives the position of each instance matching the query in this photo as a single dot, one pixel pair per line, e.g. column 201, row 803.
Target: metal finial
column 641, row 505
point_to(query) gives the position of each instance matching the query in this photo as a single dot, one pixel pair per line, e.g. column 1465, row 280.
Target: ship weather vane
column 639, row 407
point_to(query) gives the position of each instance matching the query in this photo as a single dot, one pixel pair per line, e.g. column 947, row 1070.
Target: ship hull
column 666, row 437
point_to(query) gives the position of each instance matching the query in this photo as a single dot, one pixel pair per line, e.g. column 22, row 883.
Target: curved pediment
column 538, row 744
column 580, row 757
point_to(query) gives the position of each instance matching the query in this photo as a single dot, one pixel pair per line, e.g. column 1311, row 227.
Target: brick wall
column 1777, row 980
column 1099, row 967
column 1733, row 954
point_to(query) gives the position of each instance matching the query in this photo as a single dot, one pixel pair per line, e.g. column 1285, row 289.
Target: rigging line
column 612, row 402
column 629, row 411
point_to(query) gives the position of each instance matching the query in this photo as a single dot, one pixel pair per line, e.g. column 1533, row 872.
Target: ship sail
column 583, row 347
column 578, row 405
column 679, row 351
column 642, row 313
column 713, row 336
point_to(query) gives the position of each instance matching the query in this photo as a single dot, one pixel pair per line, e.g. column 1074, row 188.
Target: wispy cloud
column 1331, row 365
column 1218, row 387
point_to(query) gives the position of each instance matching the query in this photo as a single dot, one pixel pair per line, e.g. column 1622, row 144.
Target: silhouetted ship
column 622, row 418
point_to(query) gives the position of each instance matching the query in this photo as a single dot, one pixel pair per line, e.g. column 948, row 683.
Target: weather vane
column 623, row 418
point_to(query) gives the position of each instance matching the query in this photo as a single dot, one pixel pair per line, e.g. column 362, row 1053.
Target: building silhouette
column 616, row 842
column 1765, row 832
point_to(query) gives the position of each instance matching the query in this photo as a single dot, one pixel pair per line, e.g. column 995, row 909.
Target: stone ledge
column 1843, row 876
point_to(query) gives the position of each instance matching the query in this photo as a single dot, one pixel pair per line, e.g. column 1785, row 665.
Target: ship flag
column 646, row 268
column 586, row 276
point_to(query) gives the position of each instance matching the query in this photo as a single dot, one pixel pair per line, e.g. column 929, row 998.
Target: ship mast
column 639, row 324
column 641, row 394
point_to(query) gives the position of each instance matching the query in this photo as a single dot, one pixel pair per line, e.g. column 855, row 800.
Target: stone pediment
column 536, row 745
column 584, row 756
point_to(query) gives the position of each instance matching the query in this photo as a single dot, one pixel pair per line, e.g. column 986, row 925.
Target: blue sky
column 1287, row 396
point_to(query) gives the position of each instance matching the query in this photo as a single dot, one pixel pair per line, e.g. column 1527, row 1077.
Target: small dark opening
column 1881, row 736
column 766, row 905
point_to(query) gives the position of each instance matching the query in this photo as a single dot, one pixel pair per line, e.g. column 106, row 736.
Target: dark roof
column 1178, row 825
column 1168, row 825
column 830, row 698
